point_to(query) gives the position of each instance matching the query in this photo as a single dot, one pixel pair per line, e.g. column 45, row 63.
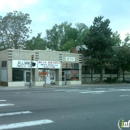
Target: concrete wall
column 48, row 55
column 22, row 54
column 39, row 83
column 73, row 83
column 3, row 57
column 64, row 55
column 16, row 84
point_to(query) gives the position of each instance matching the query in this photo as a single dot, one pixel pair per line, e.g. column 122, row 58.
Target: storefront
column 70, row 73
column 48, row 67
column 21, row 71
column 47, row 71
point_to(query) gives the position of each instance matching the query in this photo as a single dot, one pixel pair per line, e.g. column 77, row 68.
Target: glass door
column 63, row 77
column 27, row 77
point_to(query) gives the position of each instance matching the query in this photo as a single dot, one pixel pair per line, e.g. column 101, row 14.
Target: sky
column 46, row 13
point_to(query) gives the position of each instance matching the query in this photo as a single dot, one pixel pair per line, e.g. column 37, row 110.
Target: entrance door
column 63, row 77
column 27, row 77
column 52, row 76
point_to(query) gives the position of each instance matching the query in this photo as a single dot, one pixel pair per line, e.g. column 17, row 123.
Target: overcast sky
column 46, row 13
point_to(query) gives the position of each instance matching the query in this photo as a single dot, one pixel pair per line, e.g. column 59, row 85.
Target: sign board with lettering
column 70, row 58
column 70, row 65
column 49, row 64
column 23, row 64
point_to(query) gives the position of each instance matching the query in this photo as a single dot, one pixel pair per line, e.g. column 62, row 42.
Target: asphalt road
column 74, row 108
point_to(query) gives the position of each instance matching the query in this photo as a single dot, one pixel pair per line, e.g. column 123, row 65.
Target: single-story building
column 22, row 67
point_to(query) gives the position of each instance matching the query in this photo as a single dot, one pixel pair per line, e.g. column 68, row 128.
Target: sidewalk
column 65, row 86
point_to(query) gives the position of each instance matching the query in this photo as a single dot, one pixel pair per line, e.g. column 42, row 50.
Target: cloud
column 123, row 34
column 46, row 13
column 11, row 5
column 69, row 10
column 74, row 11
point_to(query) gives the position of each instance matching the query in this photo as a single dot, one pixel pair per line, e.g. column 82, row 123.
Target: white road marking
column 2, row 105
column 98, row 91
column 22, row 92
column 15, row 113
column 124, row 95
column 99, row 88
column 2, row 100
column 66, row 90
column 74, row 90
column 25, row 124
column 123, row 89
column 112, row 90
column 59, row 90
column 93, row 92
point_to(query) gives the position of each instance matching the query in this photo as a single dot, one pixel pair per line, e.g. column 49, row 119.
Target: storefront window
column 47, row 75
column 18, row 75
column 42, row 74
column 72, row 74
column 52, row 75
column 4, row 64
column 68, row 74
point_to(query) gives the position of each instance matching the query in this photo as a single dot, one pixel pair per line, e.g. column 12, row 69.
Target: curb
column 63, row 86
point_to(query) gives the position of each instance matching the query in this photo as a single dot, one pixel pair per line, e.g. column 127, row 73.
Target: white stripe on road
column 74, row 90
column 25, row 124
column 60, row 90
column 15, row 113
column 22, row 92
column 2, row 100
column 124, row 95
column 123, row 89
column 2, row 105
column 93, row 92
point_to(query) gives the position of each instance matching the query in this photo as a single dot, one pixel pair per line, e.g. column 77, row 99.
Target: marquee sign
column 23, row 64
column 49, row 64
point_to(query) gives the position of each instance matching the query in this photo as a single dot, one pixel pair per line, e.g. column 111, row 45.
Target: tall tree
column 99, row 44
column 64, row 37
column 126, row 42
column 59, row 35
column 36, row 43
column 14, row 29
column 68, row 45
column 122, row 60
column 116, row 39
column 82, row 31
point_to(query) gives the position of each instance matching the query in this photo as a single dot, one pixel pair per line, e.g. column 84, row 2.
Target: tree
column 82, row 31
column 122, row 60
column 116, row 39
column 14, row 29
column 99, row 44
column 60, row 35
column 68, row 46
column 36, row 43
column 126, row 42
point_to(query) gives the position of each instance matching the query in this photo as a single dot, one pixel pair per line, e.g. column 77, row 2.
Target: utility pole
column 32, row 58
